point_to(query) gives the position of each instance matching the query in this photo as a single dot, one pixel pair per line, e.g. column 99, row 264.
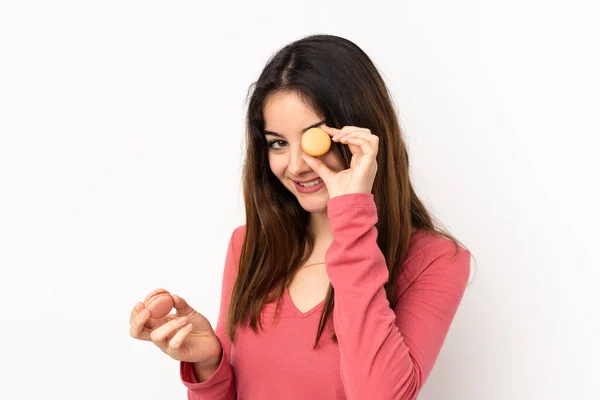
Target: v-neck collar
column 297, row 311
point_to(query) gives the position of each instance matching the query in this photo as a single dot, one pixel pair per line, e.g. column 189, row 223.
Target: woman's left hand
column 360, row 176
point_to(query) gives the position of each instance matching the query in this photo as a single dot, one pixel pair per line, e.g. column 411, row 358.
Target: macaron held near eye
column 159, row 302
column 316, row 142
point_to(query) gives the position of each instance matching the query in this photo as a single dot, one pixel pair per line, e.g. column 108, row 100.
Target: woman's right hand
column 185, row 336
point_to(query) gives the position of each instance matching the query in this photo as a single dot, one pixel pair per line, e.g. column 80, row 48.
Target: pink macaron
column 159, row 302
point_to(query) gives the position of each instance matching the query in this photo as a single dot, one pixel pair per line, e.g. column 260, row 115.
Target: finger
column 177, row 340
column 338, row 133
column 181, row 306
column 350, row 128
column 319, row 167
column 367, row 147
column 159, row 335
column 135, row 311
column 136, row 330
column 347, row 130
column 362, row 134
column 372, row 140
column 330, row 130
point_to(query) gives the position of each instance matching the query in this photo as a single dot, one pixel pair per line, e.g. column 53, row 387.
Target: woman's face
column 287, row 117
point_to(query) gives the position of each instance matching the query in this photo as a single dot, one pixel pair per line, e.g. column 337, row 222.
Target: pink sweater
column 383, row 353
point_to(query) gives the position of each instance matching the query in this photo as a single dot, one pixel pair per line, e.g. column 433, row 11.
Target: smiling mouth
column 311, row 183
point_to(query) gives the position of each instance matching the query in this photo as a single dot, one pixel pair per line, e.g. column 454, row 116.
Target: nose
column 296, row 165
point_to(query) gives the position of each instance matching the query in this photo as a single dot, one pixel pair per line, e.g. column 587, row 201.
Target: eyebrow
column 303, row 130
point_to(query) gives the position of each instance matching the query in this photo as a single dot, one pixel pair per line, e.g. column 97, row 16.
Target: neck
column 320, row 228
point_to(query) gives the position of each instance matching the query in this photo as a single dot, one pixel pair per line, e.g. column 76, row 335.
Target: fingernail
column 181, row 320
column 144, row 313
column 138, row 306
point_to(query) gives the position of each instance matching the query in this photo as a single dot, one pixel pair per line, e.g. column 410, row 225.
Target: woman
column 338, row 286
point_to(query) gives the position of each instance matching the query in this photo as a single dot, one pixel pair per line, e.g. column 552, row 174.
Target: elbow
column 410, row 384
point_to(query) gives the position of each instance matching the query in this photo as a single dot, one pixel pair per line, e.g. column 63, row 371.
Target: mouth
column 309, row 186
column 309, row 183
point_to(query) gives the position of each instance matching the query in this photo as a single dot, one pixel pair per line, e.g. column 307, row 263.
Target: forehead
column 288, row 113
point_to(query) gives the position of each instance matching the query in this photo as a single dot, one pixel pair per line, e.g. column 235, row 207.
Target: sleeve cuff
column 338, row 203
column 188, row 376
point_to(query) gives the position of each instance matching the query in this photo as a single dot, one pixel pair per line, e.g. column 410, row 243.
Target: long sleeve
column 387, row 353
column 221, row 385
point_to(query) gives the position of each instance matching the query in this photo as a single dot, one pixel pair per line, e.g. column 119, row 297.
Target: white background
column 121, row 145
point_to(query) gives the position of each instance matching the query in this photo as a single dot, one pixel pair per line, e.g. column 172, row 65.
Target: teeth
column 313, row 183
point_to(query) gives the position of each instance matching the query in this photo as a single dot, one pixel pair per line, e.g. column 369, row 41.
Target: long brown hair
column 342, row 84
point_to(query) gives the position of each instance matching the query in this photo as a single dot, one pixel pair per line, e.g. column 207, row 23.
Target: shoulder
column 234, row 248
column 238, row 234
column 236, row 240
column 433, row 256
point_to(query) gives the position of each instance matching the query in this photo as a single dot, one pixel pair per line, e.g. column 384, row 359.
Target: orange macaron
column 159, row 302
column 315, row 142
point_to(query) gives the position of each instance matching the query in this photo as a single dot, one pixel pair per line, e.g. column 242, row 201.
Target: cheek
column 277, row 165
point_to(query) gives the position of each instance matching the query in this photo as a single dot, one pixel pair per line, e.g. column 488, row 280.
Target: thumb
column 181, row 306
column 319, row 167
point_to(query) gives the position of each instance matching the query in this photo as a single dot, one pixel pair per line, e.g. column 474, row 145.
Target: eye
column 271, row 143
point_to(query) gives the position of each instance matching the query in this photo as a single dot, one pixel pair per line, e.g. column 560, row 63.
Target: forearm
column 388, row 353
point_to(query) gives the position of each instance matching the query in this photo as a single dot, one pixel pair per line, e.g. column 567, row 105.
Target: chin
column 318, row 204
